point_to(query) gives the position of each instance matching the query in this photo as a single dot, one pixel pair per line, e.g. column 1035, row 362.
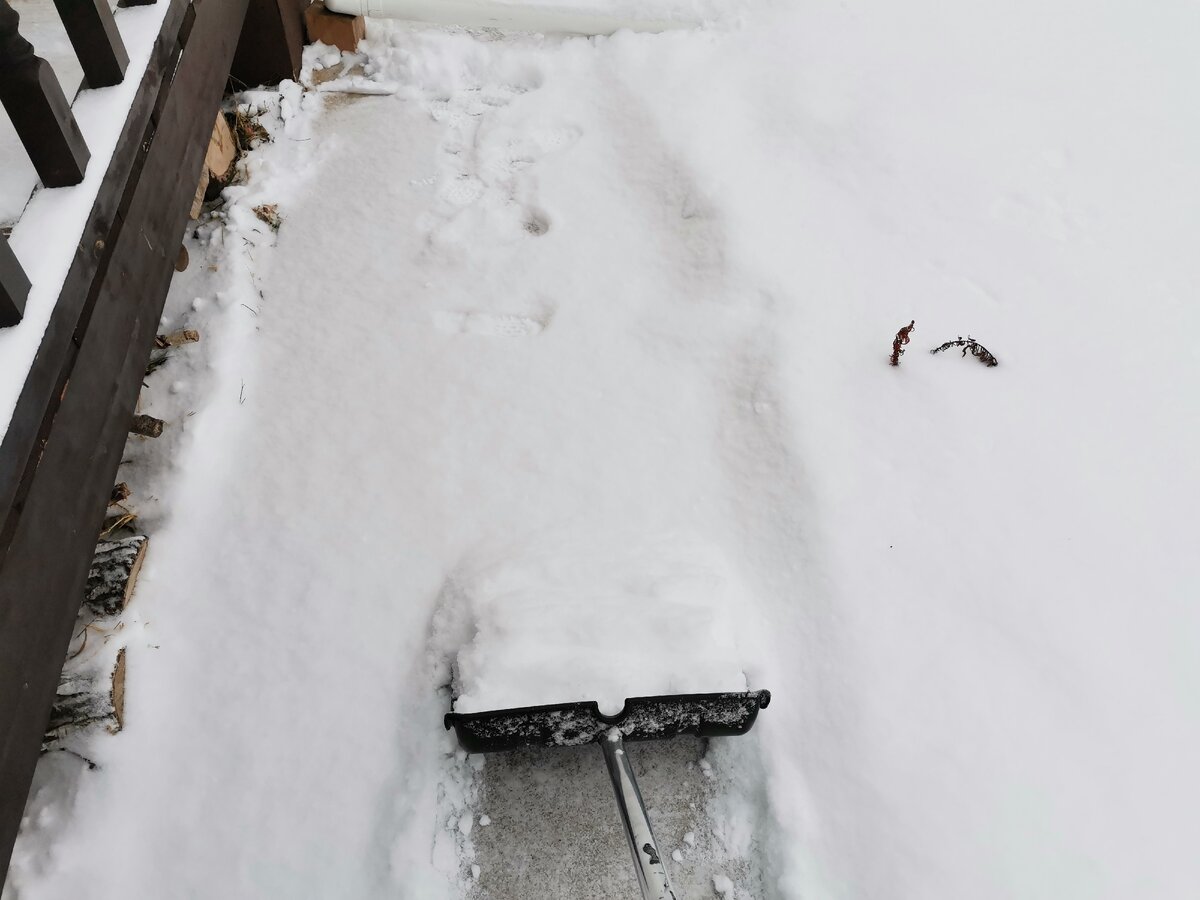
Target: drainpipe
column 505, row 16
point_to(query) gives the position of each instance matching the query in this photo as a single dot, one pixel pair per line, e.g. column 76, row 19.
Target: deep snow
column 563, row 301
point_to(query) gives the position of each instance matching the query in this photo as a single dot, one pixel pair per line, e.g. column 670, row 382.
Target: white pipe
column 505, row 16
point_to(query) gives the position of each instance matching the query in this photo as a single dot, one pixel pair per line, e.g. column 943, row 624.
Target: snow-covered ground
column 568, row 334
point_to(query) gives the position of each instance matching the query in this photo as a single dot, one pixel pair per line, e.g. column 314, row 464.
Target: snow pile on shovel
column 566, row 623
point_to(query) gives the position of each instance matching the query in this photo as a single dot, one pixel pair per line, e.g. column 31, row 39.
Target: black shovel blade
column 642, row 719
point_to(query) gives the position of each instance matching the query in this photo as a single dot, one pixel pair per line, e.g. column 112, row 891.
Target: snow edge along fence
column 59, row 456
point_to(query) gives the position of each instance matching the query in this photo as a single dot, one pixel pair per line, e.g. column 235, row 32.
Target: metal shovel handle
column 647, row 860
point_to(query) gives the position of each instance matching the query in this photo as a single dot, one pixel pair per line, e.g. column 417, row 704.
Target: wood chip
column 198, row 199
column 222, row 151
column 147, row 426
column 176, row 339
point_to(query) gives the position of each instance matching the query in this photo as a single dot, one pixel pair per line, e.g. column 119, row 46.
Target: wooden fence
column 59, row 455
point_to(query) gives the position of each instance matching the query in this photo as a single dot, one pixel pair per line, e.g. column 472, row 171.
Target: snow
column 641, row 616
column 564, row 333
column 45, row 238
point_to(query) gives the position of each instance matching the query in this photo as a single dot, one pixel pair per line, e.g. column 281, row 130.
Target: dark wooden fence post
column 93, row 33
column 34, row 100
column 271, row 44
column 14, row 286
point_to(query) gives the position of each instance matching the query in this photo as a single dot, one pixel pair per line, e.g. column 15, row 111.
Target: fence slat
column 14, row 286
column 272, row 42
column 41, row 115
column 93, row 32
column 114, row 303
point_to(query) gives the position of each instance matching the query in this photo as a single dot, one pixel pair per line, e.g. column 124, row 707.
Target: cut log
column 87, row 700
column 113, row 574
column 146, row 426
column 176, row 339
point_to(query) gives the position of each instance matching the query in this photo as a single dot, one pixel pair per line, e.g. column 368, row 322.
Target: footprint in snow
column 462, row 191
column 510, row 325
column 536, row 223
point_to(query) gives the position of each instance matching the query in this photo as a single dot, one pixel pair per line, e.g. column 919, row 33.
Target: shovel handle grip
column 647, row 860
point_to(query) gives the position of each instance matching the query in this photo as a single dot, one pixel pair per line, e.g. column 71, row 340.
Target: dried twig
column 156, row 362
column 972, row 346
column 86, row 631
column 90, row 764
column 900, row 341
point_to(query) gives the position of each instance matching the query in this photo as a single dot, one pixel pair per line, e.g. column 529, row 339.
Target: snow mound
column 581, row 621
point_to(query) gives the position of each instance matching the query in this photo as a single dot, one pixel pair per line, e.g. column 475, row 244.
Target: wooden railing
column 41, row 115
column 14, row 286
column 34, row 99
column 64, row 440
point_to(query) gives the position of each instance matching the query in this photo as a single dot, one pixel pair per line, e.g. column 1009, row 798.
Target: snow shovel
column 642, row 719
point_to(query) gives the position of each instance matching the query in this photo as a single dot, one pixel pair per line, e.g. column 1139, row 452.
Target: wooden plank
column 93, row 33
column 40, row 113
column 37, row 405
column 42, row 577
column 14, row 286
column 272, row 42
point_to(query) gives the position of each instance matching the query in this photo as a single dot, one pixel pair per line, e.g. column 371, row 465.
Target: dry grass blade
column 116, row 522
column 248, row 131
column 156, row 362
